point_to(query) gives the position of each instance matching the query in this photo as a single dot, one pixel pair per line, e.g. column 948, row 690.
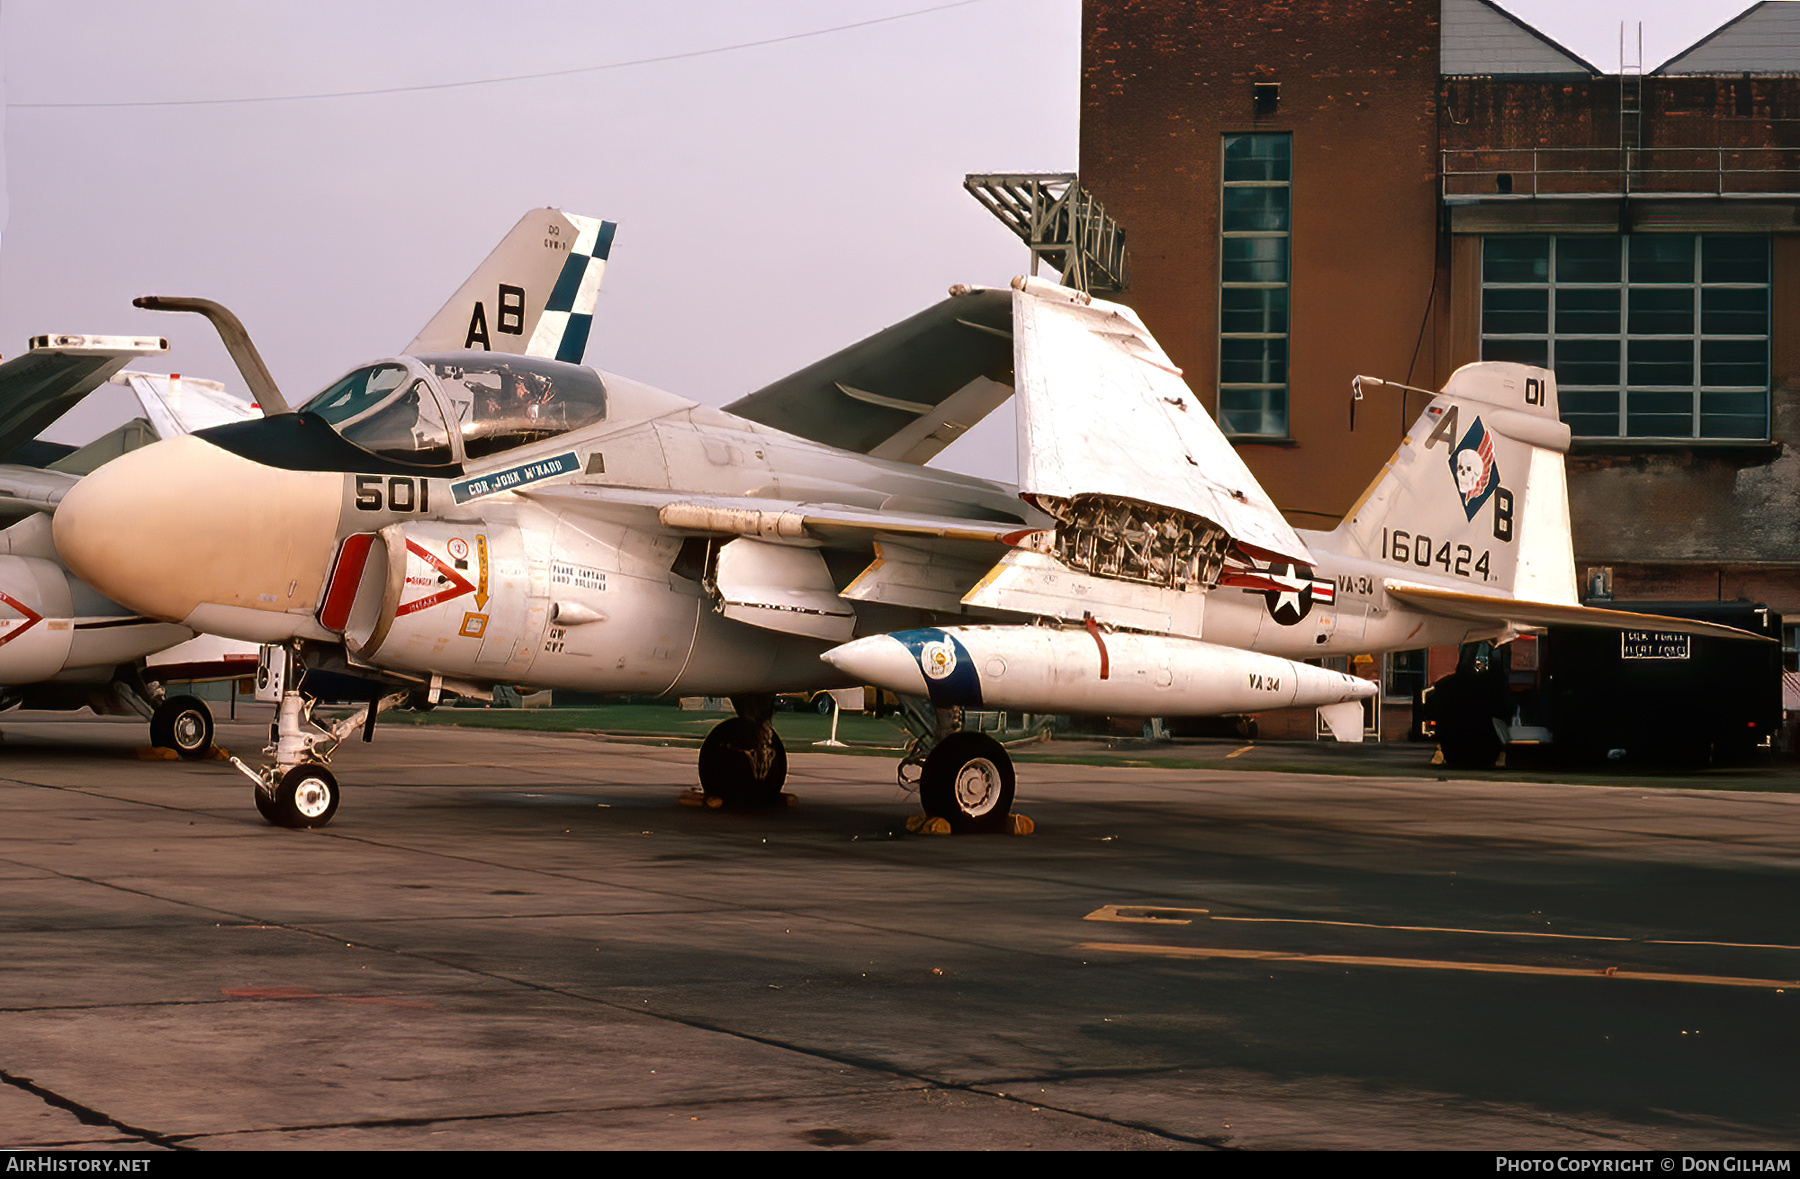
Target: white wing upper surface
column 180, row 405
column 1103, row 411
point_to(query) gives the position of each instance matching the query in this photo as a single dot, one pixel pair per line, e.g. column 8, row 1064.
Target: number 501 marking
column 396, row 493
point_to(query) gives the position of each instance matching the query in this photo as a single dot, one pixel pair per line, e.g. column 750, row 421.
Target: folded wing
column 905, row 392
column 1104, row 412
column 46, row 382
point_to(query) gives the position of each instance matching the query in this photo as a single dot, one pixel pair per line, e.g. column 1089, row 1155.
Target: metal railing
column 1498, row 173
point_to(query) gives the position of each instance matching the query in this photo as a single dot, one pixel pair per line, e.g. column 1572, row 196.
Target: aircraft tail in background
column 533, row 296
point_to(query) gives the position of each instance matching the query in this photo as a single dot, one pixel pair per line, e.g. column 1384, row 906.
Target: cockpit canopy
column 404, row 409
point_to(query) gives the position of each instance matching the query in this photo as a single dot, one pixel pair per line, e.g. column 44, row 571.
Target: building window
column 1406, row 674
column 1254, row 221
column 1650, row 335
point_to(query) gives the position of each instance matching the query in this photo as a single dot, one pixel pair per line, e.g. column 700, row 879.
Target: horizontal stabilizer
column 905, row 392
column 1520, row 612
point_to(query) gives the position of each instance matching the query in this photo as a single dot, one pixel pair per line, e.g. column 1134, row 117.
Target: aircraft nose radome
column 881, row 660
column 182, row 524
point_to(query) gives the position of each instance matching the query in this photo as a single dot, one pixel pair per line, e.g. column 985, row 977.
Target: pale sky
column 775, row 201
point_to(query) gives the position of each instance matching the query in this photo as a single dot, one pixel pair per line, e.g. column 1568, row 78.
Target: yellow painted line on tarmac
column 1578, row 937
column 1145, row 914
column 1727, row 945
column 1164, row 915
column 1614, row 972
column 1242, row 749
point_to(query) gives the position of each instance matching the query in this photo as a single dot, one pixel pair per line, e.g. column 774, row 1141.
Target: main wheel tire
column 726, row 772
column 968, row 780
column 184, row 724
column 306, row 796
column 265, row 806
column 1469, row 741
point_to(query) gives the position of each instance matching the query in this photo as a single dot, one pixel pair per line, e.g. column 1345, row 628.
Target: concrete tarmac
column 511, row 940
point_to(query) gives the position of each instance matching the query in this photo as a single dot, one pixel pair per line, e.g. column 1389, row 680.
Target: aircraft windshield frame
column 391, row 409
column 502, row 401
column 401, row 408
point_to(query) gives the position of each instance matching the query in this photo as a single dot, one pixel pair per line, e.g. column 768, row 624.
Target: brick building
column 1319, row 188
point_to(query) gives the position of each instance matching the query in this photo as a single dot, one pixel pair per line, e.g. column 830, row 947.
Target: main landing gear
column 742, row 761
column 181, row 724
column 297, row 790
column 968, row 782
column 184, row 724
column 964, row 780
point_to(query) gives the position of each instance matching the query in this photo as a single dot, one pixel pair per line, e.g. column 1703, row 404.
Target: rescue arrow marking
column 481, row 595
column 459, row 585
column 32, row 618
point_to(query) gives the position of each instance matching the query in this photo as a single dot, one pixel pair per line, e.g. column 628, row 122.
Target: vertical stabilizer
column 1476, row 496
column 533, row 296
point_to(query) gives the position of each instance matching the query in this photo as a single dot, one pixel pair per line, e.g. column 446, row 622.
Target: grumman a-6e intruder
column 454, row 519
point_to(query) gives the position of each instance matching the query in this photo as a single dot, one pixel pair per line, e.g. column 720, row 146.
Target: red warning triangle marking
column 459, row 585
column 32, row 618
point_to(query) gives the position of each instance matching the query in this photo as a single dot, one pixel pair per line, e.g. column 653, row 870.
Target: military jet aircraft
column 65, row 646
column 455, row 519
column 62, row 644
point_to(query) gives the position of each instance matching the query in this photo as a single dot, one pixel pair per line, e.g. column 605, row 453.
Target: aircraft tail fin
column 1476, row 495
column 533, row 296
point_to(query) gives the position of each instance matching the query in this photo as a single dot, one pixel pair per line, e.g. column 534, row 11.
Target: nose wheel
column 968, row 780
column 297, row 790
column 305, row 796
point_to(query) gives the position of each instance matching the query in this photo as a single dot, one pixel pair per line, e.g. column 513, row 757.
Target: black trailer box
column 1659, row 696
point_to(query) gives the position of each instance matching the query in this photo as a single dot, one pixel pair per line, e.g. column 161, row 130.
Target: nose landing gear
column 305, row 796
column 297, row 790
